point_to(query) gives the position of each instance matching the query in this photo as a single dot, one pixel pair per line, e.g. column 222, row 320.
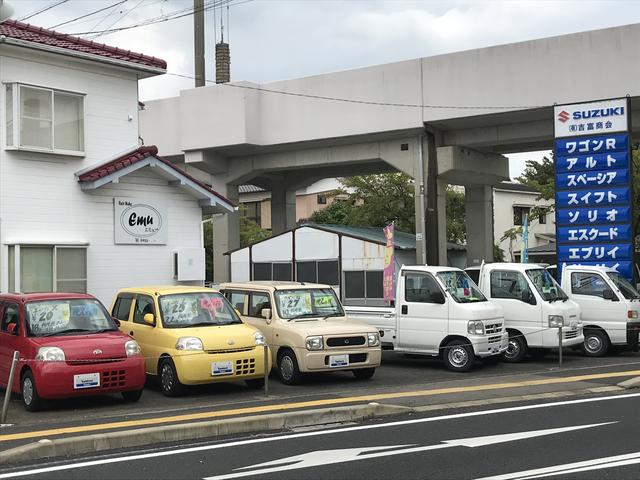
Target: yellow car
column 191, row 336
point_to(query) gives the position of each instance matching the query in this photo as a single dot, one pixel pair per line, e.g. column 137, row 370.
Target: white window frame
column 55, row 247
column 16, row 91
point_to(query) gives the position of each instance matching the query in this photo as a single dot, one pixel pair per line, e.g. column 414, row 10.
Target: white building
column 82, row 206
column 512, row 201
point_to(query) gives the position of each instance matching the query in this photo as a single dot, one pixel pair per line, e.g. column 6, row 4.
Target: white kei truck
column 609, row 304
column 532, row 302
column 438, row 312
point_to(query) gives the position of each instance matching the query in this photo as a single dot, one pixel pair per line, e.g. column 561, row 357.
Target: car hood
column 218, row 337
column 97, row 346
column 331, row 326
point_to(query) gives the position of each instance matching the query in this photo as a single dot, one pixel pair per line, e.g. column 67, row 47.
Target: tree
column 456, row 228
column 541, row 176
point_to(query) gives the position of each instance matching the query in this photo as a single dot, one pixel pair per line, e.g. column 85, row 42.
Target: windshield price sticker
column 323, row 300
column 295, row 303
column 47, row 317
column 178, row 309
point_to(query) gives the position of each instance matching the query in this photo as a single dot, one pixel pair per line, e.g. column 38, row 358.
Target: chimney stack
column 223, row 63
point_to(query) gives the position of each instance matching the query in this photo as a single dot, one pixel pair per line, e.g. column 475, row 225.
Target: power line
column 370, row 102
column 42, row 10
column 121, row 18
column 88, row 14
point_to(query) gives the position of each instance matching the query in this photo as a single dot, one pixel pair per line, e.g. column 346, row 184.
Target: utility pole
column 198, row 41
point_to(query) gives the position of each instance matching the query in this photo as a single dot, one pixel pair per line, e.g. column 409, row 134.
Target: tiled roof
column 29, row 33
column 250, row 189
column 135, row 156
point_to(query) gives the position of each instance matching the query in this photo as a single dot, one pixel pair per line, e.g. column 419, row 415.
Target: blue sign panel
column 594, row 233
column 587, row 144
column 593, row 216
column 593, row 179
column 582, row 163
column 594, row 220
column 624, row 267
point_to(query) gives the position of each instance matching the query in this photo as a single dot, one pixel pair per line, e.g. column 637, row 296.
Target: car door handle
column 404, row 309
column 387, row 315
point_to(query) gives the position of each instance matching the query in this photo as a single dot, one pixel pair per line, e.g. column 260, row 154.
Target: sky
column 280, row 39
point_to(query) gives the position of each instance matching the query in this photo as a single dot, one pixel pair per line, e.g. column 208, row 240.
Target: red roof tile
column 136, row 156
column 30, row 33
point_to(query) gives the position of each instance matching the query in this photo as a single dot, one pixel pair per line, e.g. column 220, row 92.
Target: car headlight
column 50, row 354
column 374, row 339
column 314, row 343
column 259, row 338
column 132, row 348
column 556, row 321
column 189, row 343
column 475, row 327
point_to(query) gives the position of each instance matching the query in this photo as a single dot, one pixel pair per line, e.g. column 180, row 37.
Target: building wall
column 503, row 203
column 42, row 202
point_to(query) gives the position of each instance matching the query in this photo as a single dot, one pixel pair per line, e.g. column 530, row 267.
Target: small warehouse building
column 349, row 258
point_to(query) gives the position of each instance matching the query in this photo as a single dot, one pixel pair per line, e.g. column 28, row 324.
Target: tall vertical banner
column 594, row 194
column 388, row 275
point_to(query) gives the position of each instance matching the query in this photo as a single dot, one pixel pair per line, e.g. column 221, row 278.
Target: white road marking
column 329, row 457
column 181, row 451
column 577, row 467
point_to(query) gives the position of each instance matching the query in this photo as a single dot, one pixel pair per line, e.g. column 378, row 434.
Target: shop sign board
column 594, row 220
column 140, row 222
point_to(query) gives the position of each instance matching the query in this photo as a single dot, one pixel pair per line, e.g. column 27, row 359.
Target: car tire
column 288, row 368
column 596, row 343
column 516, row 348
column 168, row 376
column 459, row 356
column 364, row 373
column 255, row 383
column 132, row 395
column 30, row 398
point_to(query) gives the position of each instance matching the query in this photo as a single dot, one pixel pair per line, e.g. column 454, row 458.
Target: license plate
column 221, row 368
column 86, row 380
column 338, row 361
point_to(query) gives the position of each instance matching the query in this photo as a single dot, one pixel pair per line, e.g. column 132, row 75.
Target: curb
column 71, row 446
column 631, row 383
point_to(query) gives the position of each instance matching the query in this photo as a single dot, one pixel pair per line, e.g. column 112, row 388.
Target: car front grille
column 495, row 339
column 93, row 361
column 570, row 334
column 345, row 341
column 230, row 350
column 113, row 378
column 246, row 366
column 493, row 328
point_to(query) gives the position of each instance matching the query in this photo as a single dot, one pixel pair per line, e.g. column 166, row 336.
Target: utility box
column 189, row 264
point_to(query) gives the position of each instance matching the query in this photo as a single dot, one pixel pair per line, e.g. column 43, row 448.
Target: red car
column 69, row 346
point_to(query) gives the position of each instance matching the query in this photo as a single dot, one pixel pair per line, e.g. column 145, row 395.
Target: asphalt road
column 586, row 438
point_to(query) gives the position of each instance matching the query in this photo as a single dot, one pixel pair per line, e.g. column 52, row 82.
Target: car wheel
column 132, row 395
column 596, row 343
column 364, row 373
column 516, row 348
column 30, row 398
column 288, row 368
column 169, row 382
column 255, row 383
column 459, row 356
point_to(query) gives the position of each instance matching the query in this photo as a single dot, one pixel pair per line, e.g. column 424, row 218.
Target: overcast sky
column 280, row 39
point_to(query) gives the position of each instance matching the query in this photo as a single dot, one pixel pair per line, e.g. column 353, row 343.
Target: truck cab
column 531, row 299
column 439, row 311
column 609, row 304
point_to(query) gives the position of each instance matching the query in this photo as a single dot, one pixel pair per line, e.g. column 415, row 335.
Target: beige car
column 306, row 328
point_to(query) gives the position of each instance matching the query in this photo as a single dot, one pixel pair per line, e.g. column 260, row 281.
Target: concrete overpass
column 441, row 119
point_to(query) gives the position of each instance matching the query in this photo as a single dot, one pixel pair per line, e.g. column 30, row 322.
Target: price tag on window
column 48, row 317
column 179, row 310
column 295, row 303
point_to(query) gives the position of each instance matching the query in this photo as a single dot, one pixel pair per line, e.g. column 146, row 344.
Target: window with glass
column 461, row 287
column 546, row 286
column 592, row 284
column 144, row 305
column 627, row 289
column 46, row 268
column 122, row 307
column 509, row 284
column 185, row 310
column 519, row 214
column 422, row 288
column 10, row 316
column 257, row 302
column 364, row 285
column 44, row 119
column 66, row 317
column 313, row 302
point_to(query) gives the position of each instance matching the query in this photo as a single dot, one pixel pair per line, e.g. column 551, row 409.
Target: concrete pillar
column 441, row 215
column 479, row 223
column 435, row 214
column 226, row 232
column 283, row 207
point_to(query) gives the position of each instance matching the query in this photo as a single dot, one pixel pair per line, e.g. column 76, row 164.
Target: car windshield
column 196, row 309
column 311, row 302
column 461, row 287
column 627, row 290
column 547, row 287
column 65, row 317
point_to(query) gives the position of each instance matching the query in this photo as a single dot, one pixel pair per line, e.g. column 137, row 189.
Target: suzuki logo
column 346, row 341
column 97, row 351
column 563, row 116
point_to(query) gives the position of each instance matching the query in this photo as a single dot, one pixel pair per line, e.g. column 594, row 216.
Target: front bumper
column 488, row 345
column 56, row 379
column 318, row 360
column 571, row 336
column 195, row 368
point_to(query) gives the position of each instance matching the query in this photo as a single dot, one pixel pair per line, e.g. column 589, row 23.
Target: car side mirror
column 266, row 314
column 116, row 321
column 12, row 329
column 607, row 294
column 149, row 319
